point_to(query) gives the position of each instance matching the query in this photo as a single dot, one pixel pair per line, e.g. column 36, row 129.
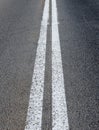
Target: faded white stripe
column 59, row 106
column 34, row 115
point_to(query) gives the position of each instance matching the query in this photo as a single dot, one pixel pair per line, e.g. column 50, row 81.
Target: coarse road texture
column 49, row 65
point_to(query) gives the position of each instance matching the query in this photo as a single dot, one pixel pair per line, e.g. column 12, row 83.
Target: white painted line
column 34, row 115
column 59, row 106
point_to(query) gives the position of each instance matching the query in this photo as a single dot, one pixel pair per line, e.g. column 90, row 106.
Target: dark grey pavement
column 19, row 32
column 79, row 37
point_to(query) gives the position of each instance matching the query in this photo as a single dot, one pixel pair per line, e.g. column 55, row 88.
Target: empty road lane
column 49, row 65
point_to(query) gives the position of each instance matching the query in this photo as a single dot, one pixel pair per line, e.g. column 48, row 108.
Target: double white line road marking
column 59, row 107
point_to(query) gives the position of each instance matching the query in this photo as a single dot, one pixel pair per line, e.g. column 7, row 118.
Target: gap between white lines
column 34, row 114
column 59, row 106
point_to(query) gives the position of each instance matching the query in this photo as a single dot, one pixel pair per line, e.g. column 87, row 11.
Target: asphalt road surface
column 49, row 65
